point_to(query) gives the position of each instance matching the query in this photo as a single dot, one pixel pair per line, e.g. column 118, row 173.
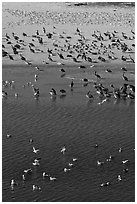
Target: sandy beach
column 68, row 72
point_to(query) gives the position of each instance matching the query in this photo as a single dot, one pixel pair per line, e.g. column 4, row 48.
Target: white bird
column 13, row 182
column 35, row 187
column 36, row 162
column 119, row 178
column 45, row 175
column 28, row 171
column 63, row 150
column 35, row 150
column 52, row 178
column 74, row 159
column 99, row 163
column 125, row 161
column 23, row 177
column 65, row 169
column 70, row 164
column 8, row 135
column 16, row 95
column 120, row 149
column 105, row 184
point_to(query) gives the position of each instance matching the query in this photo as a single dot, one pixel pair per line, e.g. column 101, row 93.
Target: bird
column 74, row 159
column 71, row 84
column 8, row 135
column 124, row 77
column 120, row 149
column 4, row 94
column 62, row 70
column 119, row 178
column 125, row 161
column 16, row 95
column 63, row 92
column 22, row 57
column 124, row 69
column 24, row 34
column 11, row 58
column 35, row 150
column 63, row 150
column 28, row 171
column 105, row 184
column 100, row 163
column 45, row 175
column 70, row 164
column 36, row 162
column 89, row 95
column 35, row 187
column 65, row 169
column 52, row 178
column 97, row 75
column 53, row 92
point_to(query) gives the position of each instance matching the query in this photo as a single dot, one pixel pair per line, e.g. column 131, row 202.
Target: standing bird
column 97, row 75
column 63, row 150
column 124, row 77
column 71, row 84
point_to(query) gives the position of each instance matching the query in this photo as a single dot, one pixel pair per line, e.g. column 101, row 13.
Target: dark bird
column 62, row 70
column 97, row 75
column 24, row 34
column 22, row 57
column 124, row 77
column 11, row 58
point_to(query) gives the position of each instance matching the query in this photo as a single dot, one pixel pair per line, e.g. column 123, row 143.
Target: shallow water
column 72, row 121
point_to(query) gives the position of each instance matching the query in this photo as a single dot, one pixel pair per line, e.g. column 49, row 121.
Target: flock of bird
column 90, row 51
column 27, row 173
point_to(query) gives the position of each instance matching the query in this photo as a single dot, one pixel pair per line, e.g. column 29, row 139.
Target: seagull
column 35, row 187
column 125, row 161
column 105, row 184
column 28, row 171
column 74, row 159
column 65, row 169
column 119, row 178
column 35, row 150
column 63, row 150
column 120, row 149
column 100, row 163
column 70, row 164
column 36, row 162
column 45, row 175
column 8, row 135
column 52, row 178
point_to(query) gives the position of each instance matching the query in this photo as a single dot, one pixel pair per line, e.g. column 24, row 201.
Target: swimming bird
column 36, row 162
column 28, row 171
column 65, row 169
column 8, row 135
column 119, row 178
column 35, row 187
column 125, row 170
column 52, row 178
column 70, row 164
column 4, row 94
column 63, row 150
column 120, row 149
column 74, row 159
column 35, row 150
column 12, row 184
column 100, row 163
column 125, row 161
column 109, row 70
column 45, row 175
column 105, row 184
